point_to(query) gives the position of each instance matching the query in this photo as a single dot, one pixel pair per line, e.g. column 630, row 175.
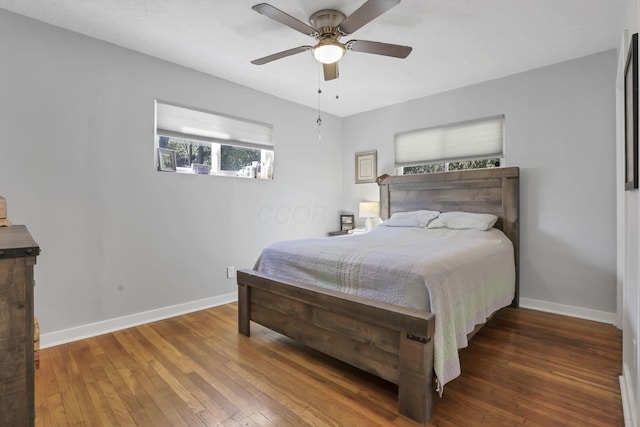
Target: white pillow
column 411, row 219
column 464, row 220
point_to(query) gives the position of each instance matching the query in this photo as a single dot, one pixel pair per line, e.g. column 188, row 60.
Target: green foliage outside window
column 432, row 167
column 232, row 158
column 235, row 158
column 187, row 152
column 452, row 166
column 474, row 164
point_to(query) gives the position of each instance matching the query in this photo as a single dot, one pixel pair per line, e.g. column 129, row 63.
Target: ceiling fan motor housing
column 326, row 21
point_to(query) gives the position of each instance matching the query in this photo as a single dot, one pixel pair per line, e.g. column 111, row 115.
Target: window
column 212, row 144
column 468, row 145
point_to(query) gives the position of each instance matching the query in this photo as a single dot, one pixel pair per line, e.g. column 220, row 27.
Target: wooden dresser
column 18, row 252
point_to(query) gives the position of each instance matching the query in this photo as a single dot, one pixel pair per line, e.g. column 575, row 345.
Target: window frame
column 400, row 170
column 241, row 133
column 437, row 136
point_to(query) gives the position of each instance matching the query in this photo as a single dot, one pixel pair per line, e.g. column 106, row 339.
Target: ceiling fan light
column 328, row 53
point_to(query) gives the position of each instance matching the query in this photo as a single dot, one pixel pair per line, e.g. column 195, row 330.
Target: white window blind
column 476, row 139
column 186, row 123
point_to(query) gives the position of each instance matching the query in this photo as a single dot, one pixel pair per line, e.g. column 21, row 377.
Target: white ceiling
column 455, row 42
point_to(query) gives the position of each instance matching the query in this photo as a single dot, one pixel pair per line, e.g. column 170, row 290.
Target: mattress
column 461, row 276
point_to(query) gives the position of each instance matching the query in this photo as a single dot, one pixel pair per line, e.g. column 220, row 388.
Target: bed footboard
column 389, row 341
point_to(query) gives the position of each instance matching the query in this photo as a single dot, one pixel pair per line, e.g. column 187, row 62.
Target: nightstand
column 359, row 230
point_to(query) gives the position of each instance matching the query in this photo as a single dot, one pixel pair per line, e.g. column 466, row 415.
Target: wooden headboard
column 495, row 191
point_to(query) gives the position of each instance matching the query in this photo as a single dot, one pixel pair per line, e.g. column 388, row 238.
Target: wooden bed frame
column 392, row 342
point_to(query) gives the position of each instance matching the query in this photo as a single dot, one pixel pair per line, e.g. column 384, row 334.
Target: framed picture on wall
column 347, row 222
column 166, row 160
column 631, row 116
column 366, row 166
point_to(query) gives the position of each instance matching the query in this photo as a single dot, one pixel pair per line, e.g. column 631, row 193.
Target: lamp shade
column 369, row 210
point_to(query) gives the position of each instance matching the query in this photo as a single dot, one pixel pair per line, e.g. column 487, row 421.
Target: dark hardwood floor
column 523, row 368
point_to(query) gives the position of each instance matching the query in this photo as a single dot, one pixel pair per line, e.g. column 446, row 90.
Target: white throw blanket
column 462, row 276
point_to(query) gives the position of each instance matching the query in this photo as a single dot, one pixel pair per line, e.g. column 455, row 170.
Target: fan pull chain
column 319, row 120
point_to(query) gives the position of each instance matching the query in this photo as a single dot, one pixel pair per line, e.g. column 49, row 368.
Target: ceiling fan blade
column 330, row 71
column 279, row 55
column 386, row 49
column 365, row 14
column 283, row 18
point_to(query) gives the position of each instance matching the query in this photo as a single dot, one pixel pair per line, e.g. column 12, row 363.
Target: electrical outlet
column 231, row 272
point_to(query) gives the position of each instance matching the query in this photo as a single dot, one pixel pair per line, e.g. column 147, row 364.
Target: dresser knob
column 28, row 251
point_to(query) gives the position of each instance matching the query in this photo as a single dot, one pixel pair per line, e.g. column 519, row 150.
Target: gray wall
column 560, row 130
column 118, row 237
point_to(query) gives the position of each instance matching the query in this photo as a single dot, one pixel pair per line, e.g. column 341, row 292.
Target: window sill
column 230, row 174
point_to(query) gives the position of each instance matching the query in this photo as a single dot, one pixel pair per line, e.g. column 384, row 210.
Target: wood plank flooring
column 523, row 368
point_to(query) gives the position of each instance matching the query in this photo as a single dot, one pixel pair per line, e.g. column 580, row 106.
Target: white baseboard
column 569, row 310
column 76, row 333
column 629, row 407
column 98, row 328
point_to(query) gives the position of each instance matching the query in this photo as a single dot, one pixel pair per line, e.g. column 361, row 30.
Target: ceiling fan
column 327, row 27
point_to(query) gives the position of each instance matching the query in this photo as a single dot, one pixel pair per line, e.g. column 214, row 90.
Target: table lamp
column 369, row 210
